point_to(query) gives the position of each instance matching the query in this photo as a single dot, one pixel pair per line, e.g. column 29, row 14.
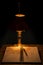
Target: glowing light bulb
column 20, row 15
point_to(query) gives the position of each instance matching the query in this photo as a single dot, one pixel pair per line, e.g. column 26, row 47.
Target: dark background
column 33, row 16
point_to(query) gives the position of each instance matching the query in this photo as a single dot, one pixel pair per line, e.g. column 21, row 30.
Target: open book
column 13, row 54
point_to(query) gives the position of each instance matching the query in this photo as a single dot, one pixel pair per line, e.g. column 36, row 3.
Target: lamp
column 19, row 14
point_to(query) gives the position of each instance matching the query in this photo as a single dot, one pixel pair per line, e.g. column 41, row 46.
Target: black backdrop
column 33, row 17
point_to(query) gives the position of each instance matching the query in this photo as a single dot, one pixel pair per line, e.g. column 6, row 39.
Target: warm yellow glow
column 19, row 15
column 15, row 47
column 19, row 33
column 18, row 46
